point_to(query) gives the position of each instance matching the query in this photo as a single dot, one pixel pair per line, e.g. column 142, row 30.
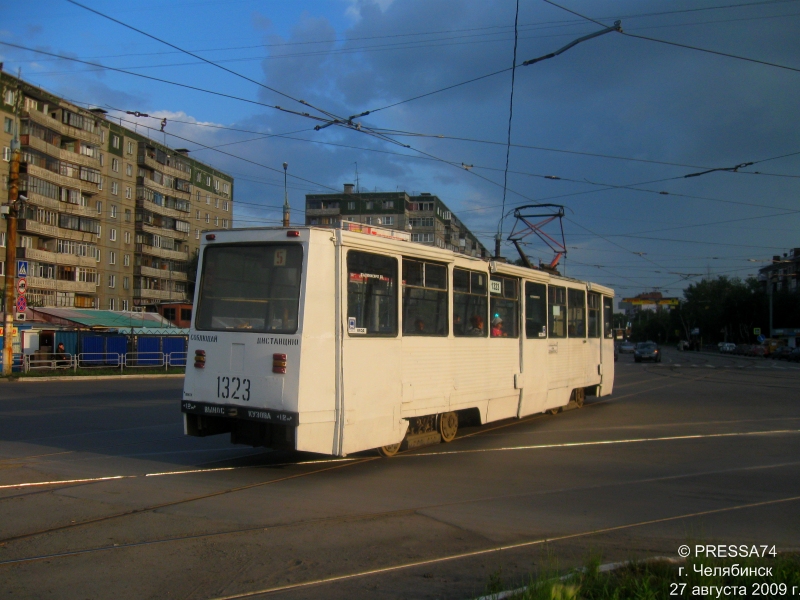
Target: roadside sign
column 756, row 330
column 761, row 339
column 21, row 316
column 22, row 286
column 22, row 268
column 22, row 304
column 696, row 331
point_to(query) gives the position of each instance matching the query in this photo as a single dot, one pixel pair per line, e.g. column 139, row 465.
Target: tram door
column 594, row 334
column 371, row 351
column 534, row 349
column 607, row 378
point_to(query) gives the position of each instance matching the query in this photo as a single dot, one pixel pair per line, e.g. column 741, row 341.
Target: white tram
column 341, row 340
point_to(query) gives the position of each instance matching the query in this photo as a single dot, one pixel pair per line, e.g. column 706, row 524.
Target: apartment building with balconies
column 110, row 218
column 424, row 216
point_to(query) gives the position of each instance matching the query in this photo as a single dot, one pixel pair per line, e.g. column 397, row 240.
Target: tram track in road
column 412, row 510
column 157, row 506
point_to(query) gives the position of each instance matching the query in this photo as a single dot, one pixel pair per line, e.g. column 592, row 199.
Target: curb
column 92, row 378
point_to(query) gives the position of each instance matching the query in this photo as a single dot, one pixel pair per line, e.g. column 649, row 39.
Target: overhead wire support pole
column 11, row 244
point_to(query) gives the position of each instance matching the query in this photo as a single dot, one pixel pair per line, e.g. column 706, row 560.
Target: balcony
column 160, row 231
column 160, row 295
column 61, row 128
column 322, row 212
column 42, row 283
column 160, row 273
column 29, row 226
column 161, row 252
column 56, row 152
column 152, row 163
column 56, row 258
column 62, row 180
column 162, row 210
column 162, row 189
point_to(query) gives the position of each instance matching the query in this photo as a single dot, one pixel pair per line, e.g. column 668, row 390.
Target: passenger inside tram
column 497, row 328
column 475, row 325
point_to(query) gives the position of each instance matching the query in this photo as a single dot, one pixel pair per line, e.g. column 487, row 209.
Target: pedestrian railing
column 98, row 360
column 47, row 362
column 176, row 359
column 144, row 359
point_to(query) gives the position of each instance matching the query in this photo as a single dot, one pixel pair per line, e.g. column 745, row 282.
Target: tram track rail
column 367, row 515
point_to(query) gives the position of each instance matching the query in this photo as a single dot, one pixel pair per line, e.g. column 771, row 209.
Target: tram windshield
column 253, row 287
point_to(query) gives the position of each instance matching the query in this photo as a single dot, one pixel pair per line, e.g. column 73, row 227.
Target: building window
column 208, row 198
column 102, row 159
column 126, row 282
column 9, row 97
column 99, row 206
column 351, row 206
column 2, row 267
column 115, row 141
column 224, row 223
column 388, row 220
column 112, row 303
column 369, row 205
column 367, row 220
column 113, row 211
column 112, row 256
column 128, row 193
column 197, row 215
column 100, row 184
column 225, row 204
column 208, row 180
column 216, row 221
column 8, row 125
column 129, row 170
column 197, row 234
column 127, row 215
column 424, row 238
column 127, row 237
column 130, row 147
column 113, row 235
column 115, row 164
column 208, row 218
column 25, row 241
column 126, row 260
column 102, row 139
column 6, row 153
column 125, row 305
column 112, row 281
column 2, row 239
column 114, row 188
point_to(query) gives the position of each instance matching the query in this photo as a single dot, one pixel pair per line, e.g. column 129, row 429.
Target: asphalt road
column 697, row 449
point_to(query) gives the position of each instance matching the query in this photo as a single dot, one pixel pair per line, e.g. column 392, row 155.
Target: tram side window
column 608, row 317
column 504, row 307
column 535, row 310
column 594, row 314
column 424, row 298
column 576, row 323
column 371, row 294
column 557, row 320
column 470, row 303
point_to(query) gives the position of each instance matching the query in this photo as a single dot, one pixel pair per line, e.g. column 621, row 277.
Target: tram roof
column 432, row 252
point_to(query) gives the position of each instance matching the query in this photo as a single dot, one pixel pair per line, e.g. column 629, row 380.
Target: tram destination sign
column 262, row 415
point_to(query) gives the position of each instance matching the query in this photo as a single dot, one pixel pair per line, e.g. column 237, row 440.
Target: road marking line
column 496, row 549
column 607, row 442
column 165, row 473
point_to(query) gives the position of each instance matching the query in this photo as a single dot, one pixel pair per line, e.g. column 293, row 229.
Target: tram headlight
column 279, row 363
column 200, row 359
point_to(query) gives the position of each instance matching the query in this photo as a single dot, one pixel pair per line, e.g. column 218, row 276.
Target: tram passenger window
column 576, row 322
column 504, row 307
column 371, row 294
column 252, row 287
column 424, row 298
column 557, row 320
column 594, row 314
column 535, row 310
column 608, row 317
column 469, row 303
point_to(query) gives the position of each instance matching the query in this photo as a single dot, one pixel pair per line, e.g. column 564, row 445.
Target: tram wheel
column 579, row 395
column 554, row 411
column 390, row 450
column 448, row 426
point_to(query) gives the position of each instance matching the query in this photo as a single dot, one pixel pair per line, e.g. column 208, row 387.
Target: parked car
column 683, row 345
column 794, row 355
column 727, row 347
column 647, row 351
column 780, row 353
column 627, row 348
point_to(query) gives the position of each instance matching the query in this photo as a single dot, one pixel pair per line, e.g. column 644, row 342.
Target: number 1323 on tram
column 336, row 341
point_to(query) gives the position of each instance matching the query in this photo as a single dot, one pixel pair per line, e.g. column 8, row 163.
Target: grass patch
column 768, row 577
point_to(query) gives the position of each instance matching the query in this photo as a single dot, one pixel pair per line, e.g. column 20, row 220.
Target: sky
column 609, row 128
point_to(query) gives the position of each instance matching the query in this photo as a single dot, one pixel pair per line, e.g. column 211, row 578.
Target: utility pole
column 285, row 197
column 11, row 249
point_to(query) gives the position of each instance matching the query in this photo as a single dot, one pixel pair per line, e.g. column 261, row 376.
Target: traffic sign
column 22, row 268
column 22, row 286
column 756, row 330
column 21, row 316
column 22, row 304
column 761, row 339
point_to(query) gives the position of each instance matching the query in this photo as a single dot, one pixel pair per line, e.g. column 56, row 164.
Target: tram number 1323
column 233, row 387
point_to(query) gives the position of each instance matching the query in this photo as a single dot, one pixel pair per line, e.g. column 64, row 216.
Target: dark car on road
column 647, row 351
column 627, row 348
